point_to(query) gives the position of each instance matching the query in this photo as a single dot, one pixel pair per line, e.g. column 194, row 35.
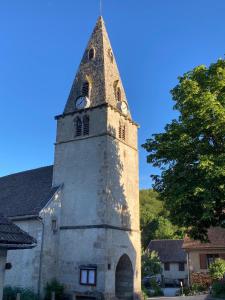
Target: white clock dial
column 82, row 102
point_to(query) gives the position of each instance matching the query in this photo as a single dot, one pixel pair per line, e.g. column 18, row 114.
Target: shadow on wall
column 119, row 214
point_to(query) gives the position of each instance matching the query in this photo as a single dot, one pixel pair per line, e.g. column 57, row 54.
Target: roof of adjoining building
column 216, row 236
column 168, row 250
column 12, row 237
column 26, row 193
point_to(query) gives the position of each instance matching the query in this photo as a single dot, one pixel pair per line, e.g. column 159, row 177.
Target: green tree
column 217, row 269
column 191, row 152
column 154, row 220
column 150, row 263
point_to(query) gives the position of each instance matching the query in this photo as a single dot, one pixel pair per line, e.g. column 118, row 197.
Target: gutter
column 17, row 246
column 41, row 258
column 23, row 218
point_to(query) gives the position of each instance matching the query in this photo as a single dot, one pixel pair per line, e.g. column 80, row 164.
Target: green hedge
column 9, row 293
column 218, row 289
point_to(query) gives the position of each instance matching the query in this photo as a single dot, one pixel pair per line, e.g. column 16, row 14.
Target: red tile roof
column 216, row 237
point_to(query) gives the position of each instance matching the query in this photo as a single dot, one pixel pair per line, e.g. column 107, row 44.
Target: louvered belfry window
column 85, row 125
column 78, row 125
column 124, row 132
column 85, row 89
column 120, row 131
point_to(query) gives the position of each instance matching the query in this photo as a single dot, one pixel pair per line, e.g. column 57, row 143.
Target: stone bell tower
column 96, row 163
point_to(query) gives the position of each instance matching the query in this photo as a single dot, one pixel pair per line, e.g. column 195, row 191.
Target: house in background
column 200, row 255
column 11, row 238
column 173, row 259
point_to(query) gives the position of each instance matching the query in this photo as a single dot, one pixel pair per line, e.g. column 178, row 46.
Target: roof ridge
column 26, row 171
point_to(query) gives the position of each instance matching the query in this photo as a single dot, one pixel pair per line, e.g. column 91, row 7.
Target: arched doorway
column 124, row 278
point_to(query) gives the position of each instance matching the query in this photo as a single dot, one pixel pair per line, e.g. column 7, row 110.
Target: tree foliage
column 217, row 269
column 150, row 263
column 191, row 152
column 155, row 223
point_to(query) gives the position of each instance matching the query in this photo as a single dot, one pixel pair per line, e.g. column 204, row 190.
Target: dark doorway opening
column 124, row 278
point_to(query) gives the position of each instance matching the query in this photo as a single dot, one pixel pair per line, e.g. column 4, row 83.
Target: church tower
column 96, row 164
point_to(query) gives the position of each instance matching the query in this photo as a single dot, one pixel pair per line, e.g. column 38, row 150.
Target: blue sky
column 43, row 41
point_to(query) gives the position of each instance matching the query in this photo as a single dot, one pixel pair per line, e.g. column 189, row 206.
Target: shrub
column 218, row 289
column 9, row 293
column 144, row 293
column 151, row 264
column 156, row 289
column 54, row 286
column 217, row 269
column 194, row 289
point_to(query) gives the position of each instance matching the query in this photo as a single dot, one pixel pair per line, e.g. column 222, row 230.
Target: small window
column 88, row 276
column 78, row 125
column 110, row 55
column 167, row 266
column 91, row 54
column 86, row 125
column 54, row 225
column 181, row 267
column 85, row 89
column 211, row 258
column 118, row 94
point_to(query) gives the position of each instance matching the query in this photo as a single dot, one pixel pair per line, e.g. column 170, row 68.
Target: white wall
column 174, row 272
column 25, row 263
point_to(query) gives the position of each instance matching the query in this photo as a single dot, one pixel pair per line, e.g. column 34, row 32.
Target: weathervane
column 100, row 7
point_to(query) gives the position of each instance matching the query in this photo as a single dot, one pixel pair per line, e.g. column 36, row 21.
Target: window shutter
column 203, row 261
column 222, row 255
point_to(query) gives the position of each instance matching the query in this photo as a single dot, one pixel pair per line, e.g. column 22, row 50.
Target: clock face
column 82, row 102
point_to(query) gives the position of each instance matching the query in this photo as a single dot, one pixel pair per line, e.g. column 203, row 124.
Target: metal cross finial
column 100, row 7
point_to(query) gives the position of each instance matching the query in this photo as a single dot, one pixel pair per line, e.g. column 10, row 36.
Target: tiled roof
column 216, row 237
column 168, row 250
column 26, row 193
column 12, row 236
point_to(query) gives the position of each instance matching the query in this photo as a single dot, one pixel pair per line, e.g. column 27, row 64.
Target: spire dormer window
column 78, row 126
column 91, row 54
column 110, row 55
column 85, row 89
column 118, row 94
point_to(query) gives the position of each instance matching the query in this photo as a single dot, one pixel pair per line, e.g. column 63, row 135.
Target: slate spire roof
column 12, row 237
column 101, row 72
column 26, row 193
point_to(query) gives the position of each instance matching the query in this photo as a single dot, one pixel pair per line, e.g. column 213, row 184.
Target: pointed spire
column 98, row 70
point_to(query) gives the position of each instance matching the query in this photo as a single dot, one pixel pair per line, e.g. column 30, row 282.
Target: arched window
column 85, row 89
column 91, row 54
column 78, row 126
column 118, row 94
column 85, row 125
